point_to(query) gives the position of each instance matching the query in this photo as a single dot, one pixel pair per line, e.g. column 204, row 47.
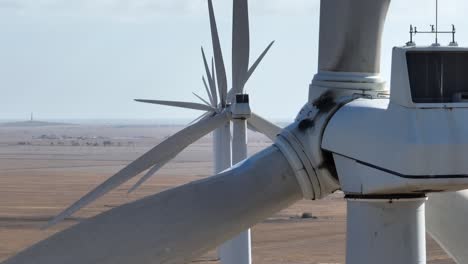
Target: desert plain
column 45, row 167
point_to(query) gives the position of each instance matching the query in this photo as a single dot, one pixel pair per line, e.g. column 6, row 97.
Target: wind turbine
column 235, row 100
column 232, row 106
column 385, row 152
column 238, row 249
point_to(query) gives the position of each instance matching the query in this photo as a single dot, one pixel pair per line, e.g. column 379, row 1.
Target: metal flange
column 301, row 144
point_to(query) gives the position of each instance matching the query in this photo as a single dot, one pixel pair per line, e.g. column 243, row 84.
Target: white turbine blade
column 205, row 115
column 189, row 105
column 203, row 100
column 252, row 69
column 257, row 62
column 263, row 126
column 240, row 45
column 150, row 173
column 447, row 222
column 350, row 35
column 251, row 128
column 208, row 92
column 176, row 225
column 158, row 166
column 210, row 76
column 158, row 155
column 218, row 56
column 215, row 93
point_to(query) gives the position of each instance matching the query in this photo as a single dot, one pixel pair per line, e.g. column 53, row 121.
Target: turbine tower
column 387, row 151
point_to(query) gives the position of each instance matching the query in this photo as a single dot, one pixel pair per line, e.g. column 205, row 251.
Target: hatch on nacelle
column 438, row 76
column 430, row 77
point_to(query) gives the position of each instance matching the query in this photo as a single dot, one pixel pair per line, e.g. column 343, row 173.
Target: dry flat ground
column 44, row 169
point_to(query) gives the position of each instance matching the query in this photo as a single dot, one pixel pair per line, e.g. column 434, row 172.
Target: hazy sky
column 65, row 59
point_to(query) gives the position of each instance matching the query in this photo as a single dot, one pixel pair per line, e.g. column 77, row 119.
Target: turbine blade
column 208, row 92
column 158, row 155
column 240, row 45
column 263, row 126
column 176, row 225
column 257, row 62
column 251, row 128
column 205, row 63
column 209, row 75
column 189, row 105
column 446, row 222
column 158, row 166
column 218, row 55
column 201, row 117
column 215, row 93
column 150, row 173
column 232, row 93
column 203, row 100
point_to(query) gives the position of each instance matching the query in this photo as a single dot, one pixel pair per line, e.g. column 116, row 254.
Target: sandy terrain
column 44, row 169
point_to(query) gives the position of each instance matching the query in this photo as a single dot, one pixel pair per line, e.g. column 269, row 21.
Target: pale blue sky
column 88, row 59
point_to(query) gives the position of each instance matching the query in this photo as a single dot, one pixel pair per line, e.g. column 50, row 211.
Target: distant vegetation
column 64, row 140
column 33, row 124
column 23, row 143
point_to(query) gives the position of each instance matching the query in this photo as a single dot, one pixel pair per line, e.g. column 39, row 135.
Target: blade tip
column 50, row 223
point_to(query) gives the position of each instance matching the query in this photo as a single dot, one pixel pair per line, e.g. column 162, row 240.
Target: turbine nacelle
column 240, row 109
column 391, row 149
column 413, row 142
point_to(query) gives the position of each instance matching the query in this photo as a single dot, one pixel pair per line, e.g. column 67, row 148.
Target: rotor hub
column 301, row 144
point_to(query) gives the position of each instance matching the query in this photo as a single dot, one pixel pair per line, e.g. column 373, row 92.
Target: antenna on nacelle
column 437, row 24
column 434, row 30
